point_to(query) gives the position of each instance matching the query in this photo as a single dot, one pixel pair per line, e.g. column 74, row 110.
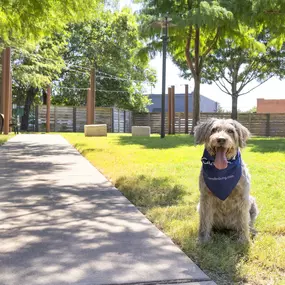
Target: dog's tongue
column 220, row 159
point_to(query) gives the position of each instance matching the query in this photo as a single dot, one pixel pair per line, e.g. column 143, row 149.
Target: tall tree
column 233, row 69
column 34, row 69
column 110, row 44
column 199, row 25
column 23, row 22
column 33, row 19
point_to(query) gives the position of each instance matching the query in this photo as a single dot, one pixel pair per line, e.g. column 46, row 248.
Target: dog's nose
column 221, row 140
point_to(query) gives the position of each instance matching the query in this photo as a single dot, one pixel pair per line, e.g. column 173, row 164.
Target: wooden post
column 6, row 89
column 10, row 96
column 173, row 109
column 93, row 95
column 48, row 109
column 186, row 112
column 2, row 101
column 268, row 125
column 169, row 110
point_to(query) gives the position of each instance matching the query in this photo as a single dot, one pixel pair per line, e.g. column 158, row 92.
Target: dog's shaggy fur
column 239, row 210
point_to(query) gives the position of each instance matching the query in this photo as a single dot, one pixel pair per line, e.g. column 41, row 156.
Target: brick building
column 270, row 106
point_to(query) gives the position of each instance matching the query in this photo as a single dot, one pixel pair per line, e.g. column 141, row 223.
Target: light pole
column 164, row 44
column 164, row 24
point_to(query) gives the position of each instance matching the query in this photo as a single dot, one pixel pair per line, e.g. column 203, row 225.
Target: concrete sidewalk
column 63, row 223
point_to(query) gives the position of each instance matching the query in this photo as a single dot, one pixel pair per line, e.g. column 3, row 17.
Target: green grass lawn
column 161, row 178
column 4, row 138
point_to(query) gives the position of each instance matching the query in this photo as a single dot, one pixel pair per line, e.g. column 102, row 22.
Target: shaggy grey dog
column 223, row 140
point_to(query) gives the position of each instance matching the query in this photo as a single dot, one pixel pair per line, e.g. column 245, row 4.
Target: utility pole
column 164, row 42
column 164, row 37
column 164, row 24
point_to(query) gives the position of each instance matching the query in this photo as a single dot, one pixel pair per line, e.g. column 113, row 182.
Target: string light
column 177, row 85
column 38, row 56
column 68, row 68
column 112, row 91
column 100, row 90
column 107, row 75
column 79, row 66
column 69, row 88
column 78, row 71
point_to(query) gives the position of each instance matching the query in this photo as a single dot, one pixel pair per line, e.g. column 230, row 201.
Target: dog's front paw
column 243, row 239
column 203, row 238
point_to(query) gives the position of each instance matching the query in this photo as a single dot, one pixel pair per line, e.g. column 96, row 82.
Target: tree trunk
column 31, row 94
column 196, row 71
column 44, row 97
column 234, row 93
column 234, row 114
column 196, row 104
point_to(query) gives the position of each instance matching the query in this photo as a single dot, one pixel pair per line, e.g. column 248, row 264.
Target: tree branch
column 255, row 86
column 227, row 80
column 222, row 89
column 224, row 86
column 273, row 12
column 187, row 52
column 214, row 41
column 249, row 79
column 246, row 79
column 197, row 51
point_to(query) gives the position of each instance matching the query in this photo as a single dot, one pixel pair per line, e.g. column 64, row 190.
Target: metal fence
column 73, row 119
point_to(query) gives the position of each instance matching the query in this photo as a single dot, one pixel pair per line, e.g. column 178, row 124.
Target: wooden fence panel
column 69, row 119
column 122, row 121
column 128, row 123
column 258, row 124
column 155, row 122
column 80, row 118
column 63, row 119
column 104, row 116
column 116, row 120
column 277, row 125
column 42, row 118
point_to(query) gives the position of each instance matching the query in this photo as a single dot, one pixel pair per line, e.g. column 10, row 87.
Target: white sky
column 272, row 89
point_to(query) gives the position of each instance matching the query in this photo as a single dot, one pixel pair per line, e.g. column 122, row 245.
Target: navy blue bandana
column 221, row 182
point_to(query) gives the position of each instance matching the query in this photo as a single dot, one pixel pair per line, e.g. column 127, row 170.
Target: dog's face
column 220, row 135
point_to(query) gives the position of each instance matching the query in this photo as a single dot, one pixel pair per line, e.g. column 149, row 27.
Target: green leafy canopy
column 110, row 44
column 33, row 19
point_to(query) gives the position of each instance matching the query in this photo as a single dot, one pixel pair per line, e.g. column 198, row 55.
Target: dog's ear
column 243, row 133
column 203, row 131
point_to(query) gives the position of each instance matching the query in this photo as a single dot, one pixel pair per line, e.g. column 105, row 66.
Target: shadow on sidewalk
column 61, row 228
